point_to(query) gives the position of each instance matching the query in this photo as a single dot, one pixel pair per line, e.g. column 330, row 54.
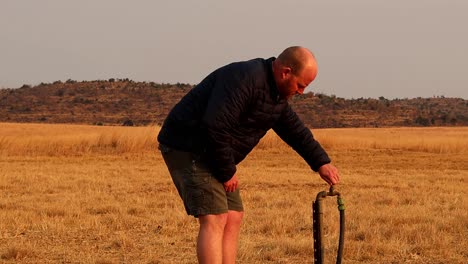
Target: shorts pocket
column 197, row 179
column 196, row 197
column 199, row 175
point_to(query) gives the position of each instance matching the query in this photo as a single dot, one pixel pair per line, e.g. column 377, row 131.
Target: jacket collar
column 271, row 80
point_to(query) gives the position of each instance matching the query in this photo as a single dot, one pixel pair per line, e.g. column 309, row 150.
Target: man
column 218, row 123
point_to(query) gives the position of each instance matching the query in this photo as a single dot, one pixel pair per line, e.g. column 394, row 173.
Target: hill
column 119, row 101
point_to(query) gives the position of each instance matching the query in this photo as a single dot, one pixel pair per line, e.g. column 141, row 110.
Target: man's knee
column 213, row 222
column 235, row 218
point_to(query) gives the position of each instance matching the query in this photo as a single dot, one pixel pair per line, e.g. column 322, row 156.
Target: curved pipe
column 317, row 217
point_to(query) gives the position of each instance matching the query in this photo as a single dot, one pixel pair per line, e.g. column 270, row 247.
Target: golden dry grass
column 84, row 194
column 58, row 140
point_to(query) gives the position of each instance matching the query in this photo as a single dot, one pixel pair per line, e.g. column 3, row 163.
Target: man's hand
column 329, row 173
column 231, row 185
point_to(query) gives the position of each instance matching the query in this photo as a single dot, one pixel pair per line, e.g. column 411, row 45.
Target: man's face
column 291, row 84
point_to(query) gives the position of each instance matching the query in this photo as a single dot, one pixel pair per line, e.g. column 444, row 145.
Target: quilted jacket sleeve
column 229, row 99
column 291, row 130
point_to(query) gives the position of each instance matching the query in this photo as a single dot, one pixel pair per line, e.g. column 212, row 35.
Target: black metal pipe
column 317, row 217
column 341, row 208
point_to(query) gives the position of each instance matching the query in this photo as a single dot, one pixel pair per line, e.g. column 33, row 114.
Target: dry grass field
column 88, row 194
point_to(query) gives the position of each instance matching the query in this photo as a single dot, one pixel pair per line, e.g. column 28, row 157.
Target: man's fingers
column 231, row 187
column 337, row 175
column 334, row 177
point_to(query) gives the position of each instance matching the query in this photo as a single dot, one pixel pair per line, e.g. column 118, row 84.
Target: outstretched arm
column 293, row 131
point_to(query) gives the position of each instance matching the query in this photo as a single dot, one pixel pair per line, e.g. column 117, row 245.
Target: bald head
column 293, row 70
column 297, row 58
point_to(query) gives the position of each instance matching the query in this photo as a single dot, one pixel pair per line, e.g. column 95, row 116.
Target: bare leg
column 231, row 236
column 210, row 238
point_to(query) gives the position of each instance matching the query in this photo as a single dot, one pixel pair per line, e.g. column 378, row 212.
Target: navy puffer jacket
column 227, row 114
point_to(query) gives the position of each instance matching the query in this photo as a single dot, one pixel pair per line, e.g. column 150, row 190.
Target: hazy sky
column 364, row 48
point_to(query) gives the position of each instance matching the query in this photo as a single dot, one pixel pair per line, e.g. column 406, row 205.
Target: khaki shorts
column 201, row 193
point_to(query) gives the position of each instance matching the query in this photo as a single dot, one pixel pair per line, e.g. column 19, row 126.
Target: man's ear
column 286, row 71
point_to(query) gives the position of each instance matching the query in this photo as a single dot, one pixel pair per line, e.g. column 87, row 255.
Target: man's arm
column 293, row 131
